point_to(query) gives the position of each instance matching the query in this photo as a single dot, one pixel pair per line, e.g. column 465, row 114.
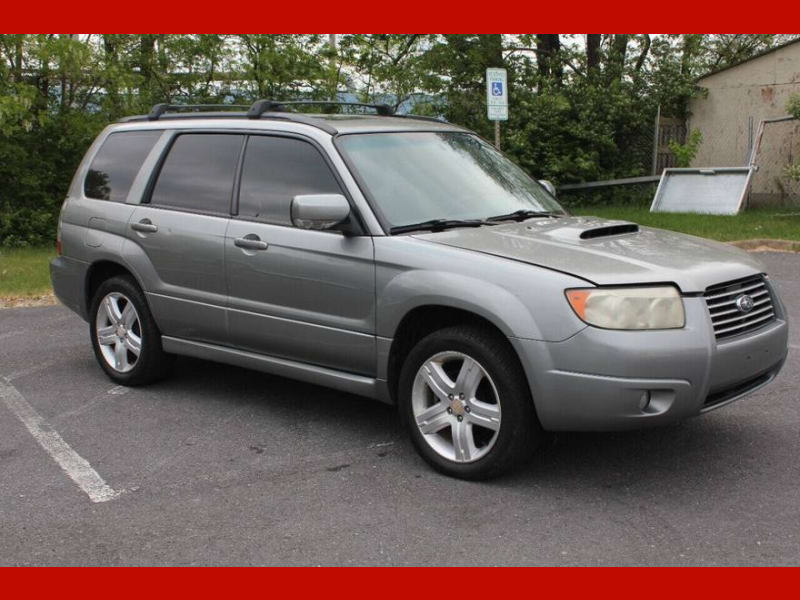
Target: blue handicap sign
column 497, row 88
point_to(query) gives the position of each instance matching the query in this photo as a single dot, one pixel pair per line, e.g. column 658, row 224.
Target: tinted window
column 116, row 164
column 275, row 170
column 198, row 173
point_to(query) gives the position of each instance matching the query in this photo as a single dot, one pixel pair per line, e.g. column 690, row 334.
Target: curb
column 767, row 245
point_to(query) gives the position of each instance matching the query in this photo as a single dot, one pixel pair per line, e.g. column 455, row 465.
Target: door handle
column 145, row 226
column 250, row 242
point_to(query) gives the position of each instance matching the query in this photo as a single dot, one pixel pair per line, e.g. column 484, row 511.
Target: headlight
column 629, row 308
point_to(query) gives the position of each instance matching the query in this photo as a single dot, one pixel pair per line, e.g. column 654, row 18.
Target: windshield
column 422, row 176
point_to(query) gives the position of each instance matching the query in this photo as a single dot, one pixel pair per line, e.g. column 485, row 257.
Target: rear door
column 304, row 295
column 181, row 230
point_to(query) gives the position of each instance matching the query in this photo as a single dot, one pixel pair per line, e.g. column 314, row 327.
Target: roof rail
column 259, row 107
column 268, row 109
column 159, row 109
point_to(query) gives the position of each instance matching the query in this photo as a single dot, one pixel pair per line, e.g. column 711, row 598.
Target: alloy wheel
column 456, row 406
column 119, row 332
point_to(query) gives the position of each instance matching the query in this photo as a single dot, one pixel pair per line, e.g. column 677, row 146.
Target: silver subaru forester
column 407, row 260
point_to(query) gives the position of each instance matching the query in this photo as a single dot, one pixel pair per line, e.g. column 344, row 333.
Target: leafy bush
column 793, row 106
column 792, row 171
column 685, row 153
column 36, row 167
column 628, row 196
column 792, row 174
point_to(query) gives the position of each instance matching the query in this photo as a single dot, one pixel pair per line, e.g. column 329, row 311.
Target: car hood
column 607, row 252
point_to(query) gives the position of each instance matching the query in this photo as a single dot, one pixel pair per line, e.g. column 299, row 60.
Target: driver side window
column 276, row 169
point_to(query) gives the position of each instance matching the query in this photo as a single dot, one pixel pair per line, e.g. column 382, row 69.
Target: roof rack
column 270, row 109
column 259, row 107
column 159, row 109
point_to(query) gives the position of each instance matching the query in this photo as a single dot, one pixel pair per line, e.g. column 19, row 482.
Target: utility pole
column 332, row 65
column 656, row 135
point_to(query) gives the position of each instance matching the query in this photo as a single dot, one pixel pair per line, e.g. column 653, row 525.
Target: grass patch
column 760, row 223
column 25, row 271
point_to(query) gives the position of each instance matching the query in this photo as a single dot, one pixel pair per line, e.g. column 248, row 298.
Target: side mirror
column 319, row 211
column 548, row 185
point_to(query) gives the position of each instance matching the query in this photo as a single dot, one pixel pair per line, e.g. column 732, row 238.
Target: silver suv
column 407, row 260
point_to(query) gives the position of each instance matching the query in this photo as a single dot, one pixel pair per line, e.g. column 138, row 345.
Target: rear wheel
column 467, row 403
column 125, row 338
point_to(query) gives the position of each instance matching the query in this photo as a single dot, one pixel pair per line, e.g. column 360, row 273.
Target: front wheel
column 467, row 403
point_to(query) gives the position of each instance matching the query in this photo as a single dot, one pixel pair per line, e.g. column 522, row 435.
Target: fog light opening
column 644, row 401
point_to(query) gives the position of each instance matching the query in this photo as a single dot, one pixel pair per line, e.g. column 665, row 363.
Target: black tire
column 152, row 363
column 519, row 433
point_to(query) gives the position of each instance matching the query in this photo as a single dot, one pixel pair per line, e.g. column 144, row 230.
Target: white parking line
column 46, row 364
column 10, row 334
column 72, row 463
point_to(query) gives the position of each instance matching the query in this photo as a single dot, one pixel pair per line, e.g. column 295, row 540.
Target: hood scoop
column 609, row 230
column 578, row 229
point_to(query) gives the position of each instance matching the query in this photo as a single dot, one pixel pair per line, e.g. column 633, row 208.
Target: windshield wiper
column 437, row 225
column 521, row 215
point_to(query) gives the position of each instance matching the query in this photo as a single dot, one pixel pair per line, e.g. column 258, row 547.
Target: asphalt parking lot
column 221, row 466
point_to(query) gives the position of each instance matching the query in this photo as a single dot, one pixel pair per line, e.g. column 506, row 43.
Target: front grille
column 737, row 389
column 727, row 318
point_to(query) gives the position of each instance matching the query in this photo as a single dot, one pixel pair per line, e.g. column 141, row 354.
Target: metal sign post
column 497, row 99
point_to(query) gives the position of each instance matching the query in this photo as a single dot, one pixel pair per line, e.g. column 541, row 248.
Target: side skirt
column 376, row 389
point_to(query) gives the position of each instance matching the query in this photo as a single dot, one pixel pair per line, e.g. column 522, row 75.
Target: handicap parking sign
column 496, row 94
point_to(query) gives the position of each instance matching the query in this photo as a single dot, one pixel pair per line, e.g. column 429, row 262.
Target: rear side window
column 198, row 173
column 276, row 169
column 116, row 164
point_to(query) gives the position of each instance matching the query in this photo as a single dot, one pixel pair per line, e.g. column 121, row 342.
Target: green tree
column 282, row 66
column 582, row 105
column 388, row 68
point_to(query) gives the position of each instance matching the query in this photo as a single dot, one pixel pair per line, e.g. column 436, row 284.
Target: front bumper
column 601, row 380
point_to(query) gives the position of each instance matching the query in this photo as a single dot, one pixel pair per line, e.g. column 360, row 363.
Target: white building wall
column 756, row 89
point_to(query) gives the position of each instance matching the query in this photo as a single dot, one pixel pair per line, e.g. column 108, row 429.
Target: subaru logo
column 744, row 303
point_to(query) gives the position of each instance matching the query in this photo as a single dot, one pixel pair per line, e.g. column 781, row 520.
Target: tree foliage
column 582, row 105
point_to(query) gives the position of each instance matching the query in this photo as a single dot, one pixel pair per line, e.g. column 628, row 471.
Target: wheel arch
column 423, row 320
column 103, row 270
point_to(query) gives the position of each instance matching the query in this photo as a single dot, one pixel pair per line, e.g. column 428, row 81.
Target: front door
column 307, row 296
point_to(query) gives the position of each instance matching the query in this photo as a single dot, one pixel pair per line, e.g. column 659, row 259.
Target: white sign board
column 497, row 94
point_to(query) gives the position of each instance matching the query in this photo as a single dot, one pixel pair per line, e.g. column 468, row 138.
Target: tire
column 120, row 313
column 490, row 405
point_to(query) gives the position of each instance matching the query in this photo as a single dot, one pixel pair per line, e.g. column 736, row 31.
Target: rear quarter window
column 117, row 163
